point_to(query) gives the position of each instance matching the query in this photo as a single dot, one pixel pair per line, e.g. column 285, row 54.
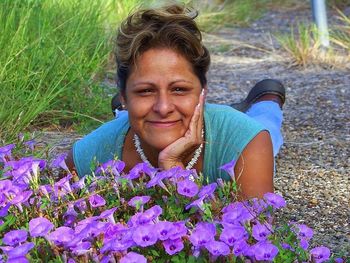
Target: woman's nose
column 163, row 105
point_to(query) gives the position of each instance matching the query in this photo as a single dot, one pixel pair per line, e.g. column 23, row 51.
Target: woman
column 162, row 65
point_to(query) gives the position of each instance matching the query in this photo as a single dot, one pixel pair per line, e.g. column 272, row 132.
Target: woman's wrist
column 168, row 164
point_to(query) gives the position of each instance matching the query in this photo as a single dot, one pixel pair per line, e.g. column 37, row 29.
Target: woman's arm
column 254, row 167
column 70, row 162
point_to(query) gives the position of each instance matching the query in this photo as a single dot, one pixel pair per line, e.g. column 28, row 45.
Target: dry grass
column 341, row 35
column 304, row 48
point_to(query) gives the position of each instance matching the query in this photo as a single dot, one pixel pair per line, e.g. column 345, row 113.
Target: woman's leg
column 270, row 115
column 264, row 104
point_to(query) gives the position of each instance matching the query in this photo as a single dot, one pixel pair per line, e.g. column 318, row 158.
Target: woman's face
column 161, row 94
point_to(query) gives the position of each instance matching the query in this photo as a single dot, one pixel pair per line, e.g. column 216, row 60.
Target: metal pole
column 320, row 17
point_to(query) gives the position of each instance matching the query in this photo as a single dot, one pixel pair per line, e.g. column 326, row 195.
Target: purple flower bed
column 145, row 215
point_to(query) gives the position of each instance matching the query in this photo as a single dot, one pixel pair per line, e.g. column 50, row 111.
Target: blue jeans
column 270, row 115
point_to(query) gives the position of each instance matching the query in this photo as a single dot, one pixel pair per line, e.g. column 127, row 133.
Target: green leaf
column 9, row 220
column 154, row 253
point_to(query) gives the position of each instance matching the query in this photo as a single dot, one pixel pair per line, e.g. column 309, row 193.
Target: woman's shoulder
column 112, row 127
column 223, row 116
column 228, row 132
column 101, row 145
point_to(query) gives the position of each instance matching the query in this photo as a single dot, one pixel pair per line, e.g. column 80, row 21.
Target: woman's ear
column 122, row 100
column 205, row 87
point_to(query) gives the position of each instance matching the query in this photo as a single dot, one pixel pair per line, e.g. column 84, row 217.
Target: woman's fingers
column 201, row 114
column 194, row 132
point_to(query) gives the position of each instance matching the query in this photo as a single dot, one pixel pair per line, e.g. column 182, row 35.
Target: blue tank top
column 227, row 132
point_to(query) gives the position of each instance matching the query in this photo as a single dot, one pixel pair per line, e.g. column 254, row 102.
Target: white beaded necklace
column 190, row 164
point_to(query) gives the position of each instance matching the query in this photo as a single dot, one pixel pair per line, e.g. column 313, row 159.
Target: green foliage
column 52, row 56
column 227, row 13
column 301, row 44
column 341, row 36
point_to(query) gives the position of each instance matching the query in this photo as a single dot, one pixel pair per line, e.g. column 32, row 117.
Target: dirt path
column 313, row 165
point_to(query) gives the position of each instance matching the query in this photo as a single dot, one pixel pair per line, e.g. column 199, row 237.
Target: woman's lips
column 163, row 124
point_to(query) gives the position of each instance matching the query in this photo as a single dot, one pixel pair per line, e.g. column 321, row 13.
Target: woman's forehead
column 161, row 64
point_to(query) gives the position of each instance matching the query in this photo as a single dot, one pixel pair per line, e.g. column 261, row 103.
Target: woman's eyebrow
column 181, row 80
column 143, row 83
column 153, row 84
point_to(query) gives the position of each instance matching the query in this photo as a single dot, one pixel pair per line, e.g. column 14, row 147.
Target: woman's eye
column 179, row 90
column 144, row 91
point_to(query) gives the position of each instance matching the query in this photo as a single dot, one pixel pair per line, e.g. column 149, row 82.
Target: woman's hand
column 175, row 153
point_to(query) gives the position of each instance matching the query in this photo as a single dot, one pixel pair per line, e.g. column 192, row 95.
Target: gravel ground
column 313, row 165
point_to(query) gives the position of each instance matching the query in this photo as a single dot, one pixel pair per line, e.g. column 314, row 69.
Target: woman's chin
column 160, row 144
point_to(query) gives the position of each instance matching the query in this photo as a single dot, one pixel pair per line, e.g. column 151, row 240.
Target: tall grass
column 52, row 54
column 302, row 44
column 304, row 48
column 227, row 13
column 341, row 36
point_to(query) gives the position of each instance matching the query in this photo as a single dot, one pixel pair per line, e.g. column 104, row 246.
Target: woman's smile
column 163, row 124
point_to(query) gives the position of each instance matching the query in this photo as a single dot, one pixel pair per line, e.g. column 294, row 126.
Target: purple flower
column 45, row 190
column 133, row 257
column 21, row 197
column 304, row 244
column 261, row 231
column 257, row 205
column 14, row 237
column 114, row 167
column 187, row 188
column 176, row 174
column 232, row 234
column 265, row 251
column 60, row 162
column 96, row 200
column 109, row 215
column 149, row 216
column 39, row 226
column 70, row 215
column 90, row 227
column 274, row 200
column 136, row 171
column 118, row 238
column 145, row 236
column 153, row 213
column 63, row 187
column 61, row 235
column 203, row 233
column 164, row 229
column 197, row 203
column 79, row 185
column 173, row 246
column 81, row 205
column 17, row 260
column 5, row 186
column 139, row 201
column 19, row 251
column 30, row 144
column 81, row 248
column 179, row 230
column 240, row 247
column 237, row 213
column 5, row 151
column 217, row 248
column 304, row 232
column 229, row 168
column 339, row 260
column 320, row 254
column 158, row 180
column 208, row 190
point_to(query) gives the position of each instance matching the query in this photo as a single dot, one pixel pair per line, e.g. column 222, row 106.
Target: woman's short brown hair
column 168, row 27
